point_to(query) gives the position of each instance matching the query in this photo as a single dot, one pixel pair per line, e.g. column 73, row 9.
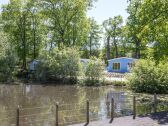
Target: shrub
column 7, row 67
column 149, row 77
column 7, row 59
column 162, row 80
column 42, row 68
column 64, row 65
column 61, row 64
column 93, row 71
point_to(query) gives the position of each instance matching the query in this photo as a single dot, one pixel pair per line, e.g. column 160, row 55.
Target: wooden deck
column 157, row 119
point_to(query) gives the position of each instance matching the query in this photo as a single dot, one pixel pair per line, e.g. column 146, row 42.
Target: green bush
column 42, row 68
column 162, row 77
column 64, row 65
column 93, row 72
column 149, row 77
column 7, row 59
column 7, row 67
column 61, row 64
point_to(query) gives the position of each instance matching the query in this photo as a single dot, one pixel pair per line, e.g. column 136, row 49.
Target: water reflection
column 37, row 103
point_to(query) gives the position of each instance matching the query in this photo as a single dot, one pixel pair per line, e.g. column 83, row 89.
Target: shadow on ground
column 161, row 117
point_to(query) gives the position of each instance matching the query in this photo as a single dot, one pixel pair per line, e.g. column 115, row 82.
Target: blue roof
column 122, row 58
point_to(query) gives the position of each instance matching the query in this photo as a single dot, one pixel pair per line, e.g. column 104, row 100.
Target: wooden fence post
column 155, row 103
column 87, row 113
column 112, row 110
column 56, row 116
column 17, row 116
column 134, row 107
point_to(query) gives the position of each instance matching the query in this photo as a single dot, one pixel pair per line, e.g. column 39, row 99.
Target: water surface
column 37, row 104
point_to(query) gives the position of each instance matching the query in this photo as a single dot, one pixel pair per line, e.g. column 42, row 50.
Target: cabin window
column 116, row 66
column 130, row 65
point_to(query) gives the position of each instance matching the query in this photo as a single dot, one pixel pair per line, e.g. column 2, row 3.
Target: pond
column 37, row 104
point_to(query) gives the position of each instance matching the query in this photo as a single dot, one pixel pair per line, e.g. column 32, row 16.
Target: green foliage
column 93, row 71
column 22, row 22
column 153, row 17
column 163, row 77
column 31, row 26
column 36, row 25
column 67, row 21
column 4, row 44
column 7, row 60
column 61, row 64
column 64, row 65
column 7, row 67
column 149, row 77
column 134, row 28
column 92, row 45
column 113, row 31
column 148, row 23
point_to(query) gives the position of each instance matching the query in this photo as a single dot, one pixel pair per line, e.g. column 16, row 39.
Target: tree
column 15, row 20
column 113, row 28
column 21, row 23
column 149, row 77
column 107, row 44
column 94, row 71
column 7, row 58
column 93, row 41
column 67, row 21
column 152, row 16
column 134, row 27
column 37, row 30
column 60, row 64
column 125, row 44
column 147, row 24
column 4, row 44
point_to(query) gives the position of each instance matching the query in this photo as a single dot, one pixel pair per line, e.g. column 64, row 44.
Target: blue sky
column 103, row 9
column 108, row 8
column 3, row 2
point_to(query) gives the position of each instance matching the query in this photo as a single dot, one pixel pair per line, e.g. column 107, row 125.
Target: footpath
column 157, row 119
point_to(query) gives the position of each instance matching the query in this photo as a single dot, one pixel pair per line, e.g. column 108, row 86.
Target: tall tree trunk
column 116, row 47
column 62, row 39
column 34, row 38
column 124, row 50
column 74, row 35
column 24, row 42
column 124, row 47
column 137, row 50
column 90, row 46
column 22, row 28
column 108, row 47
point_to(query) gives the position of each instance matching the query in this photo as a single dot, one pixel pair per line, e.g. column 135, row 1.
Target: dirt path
column 158, row 119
